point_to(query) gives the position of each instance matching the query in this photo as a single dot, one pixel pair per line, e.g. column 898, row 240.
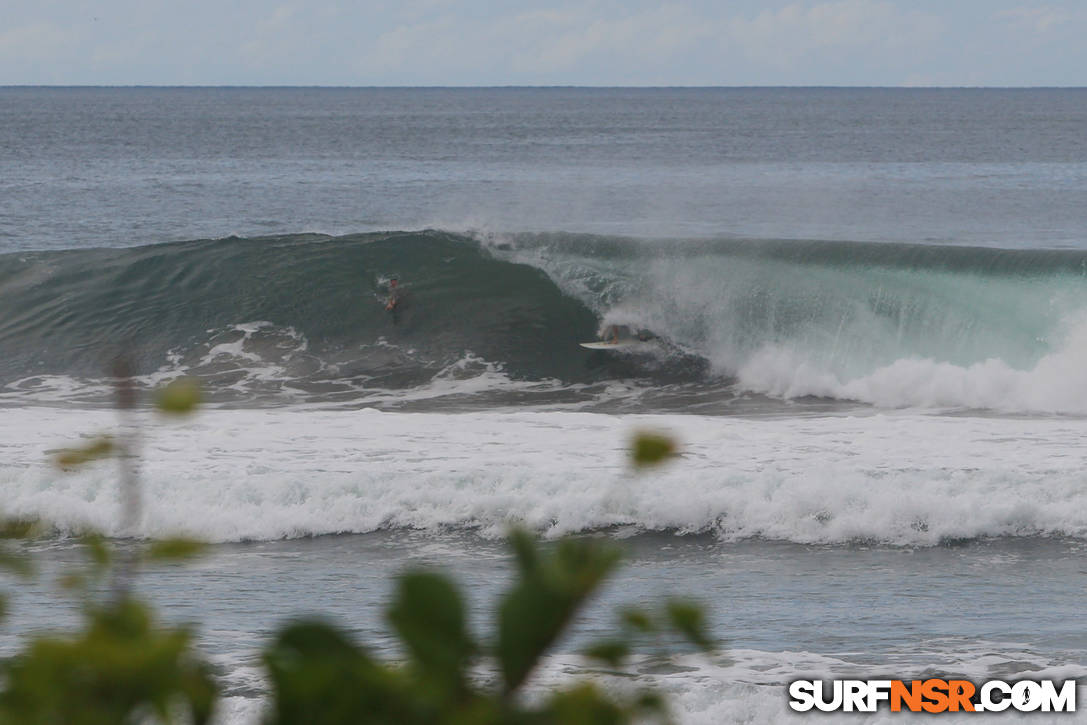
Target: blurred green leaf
column 15, row 563
column 584, row 704
column 429, row 616
column 524, row 551
column 689, row 619
column 101, row 447
column 320, row 677
column 197, row 685
column 97, row 549
column 179, row 397
column 550, row 591
column 73, row 581
column 19, row 528
column 175, row 549
column 652, row 702
column 611, row 651
column 637, row 620
column 650, row 449
column 120, row 669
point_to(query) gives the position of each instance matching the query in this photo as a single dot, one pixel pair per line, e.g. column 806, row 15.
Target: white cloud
column 783, row 37
column 1038, row 19
column 268, row 37
column 535, row 42
column 590, row 42
column 35, row 41
column 651, row 42
column 569, row 39
column 426, row 44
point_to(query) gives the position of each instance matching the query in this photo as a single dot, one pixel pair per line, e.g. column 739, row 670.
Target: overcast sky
column 533, row 42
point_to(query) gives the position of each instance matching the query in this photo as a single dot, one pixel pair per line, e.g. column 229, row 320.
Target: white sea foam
column 263, row 363
column 1057, row 383
column 251, row 355
column 749, row 686
column 229, row 475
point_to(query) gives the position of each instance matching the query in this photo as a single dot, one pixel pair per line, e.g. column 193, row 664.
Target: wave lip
column 904, row 479
column 894, row 325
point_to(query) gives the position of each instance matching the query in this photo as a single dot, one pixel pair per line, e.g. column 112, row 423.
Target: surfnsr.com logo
column 933, row 695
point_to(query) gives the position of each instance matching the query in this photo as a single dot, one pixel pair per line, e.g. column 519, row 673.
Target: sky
column 531, row 42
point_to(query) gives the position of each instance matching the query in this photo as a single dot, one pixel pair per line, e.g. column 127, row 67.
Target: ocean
column 869, row 312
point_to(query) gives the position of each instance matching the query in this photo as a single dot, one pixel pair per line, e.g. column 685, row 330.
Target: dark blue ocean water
column 128, row 166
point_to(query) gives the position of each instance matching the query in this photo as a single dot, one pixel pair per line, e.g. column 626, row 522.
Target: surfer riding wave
column 393, row 298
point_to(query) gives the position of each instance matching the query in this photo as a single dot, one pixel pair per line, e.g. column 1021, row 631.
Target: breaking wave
column 301, row 317
column 903, row 478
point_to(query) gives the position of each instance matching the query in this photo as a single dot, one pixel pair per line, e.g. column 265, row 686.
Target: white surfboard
column 623, row 345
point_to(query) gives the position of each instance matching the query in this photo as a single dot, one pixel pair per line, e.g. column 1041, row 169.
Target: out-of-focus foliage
column 123, row 669
column 174, row 549
column 99, row 448
column 180, row 397
column 540, row 605
column 119, row 669
column 13, row 561
column 650, row 449
column 16, row 529
column 320, row 676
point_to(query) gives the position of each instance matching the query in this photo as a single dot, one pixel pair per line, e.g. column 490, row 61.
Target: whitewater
column 904, row 478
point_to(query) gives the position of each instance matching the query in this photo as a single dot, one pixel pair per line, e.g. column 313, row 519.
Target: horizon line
column 525, row 87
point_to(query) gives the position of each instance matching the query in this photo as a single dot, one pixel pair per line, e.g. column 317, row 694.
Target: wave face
column 890, row 324
column 301, row 317
column 272, row 314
